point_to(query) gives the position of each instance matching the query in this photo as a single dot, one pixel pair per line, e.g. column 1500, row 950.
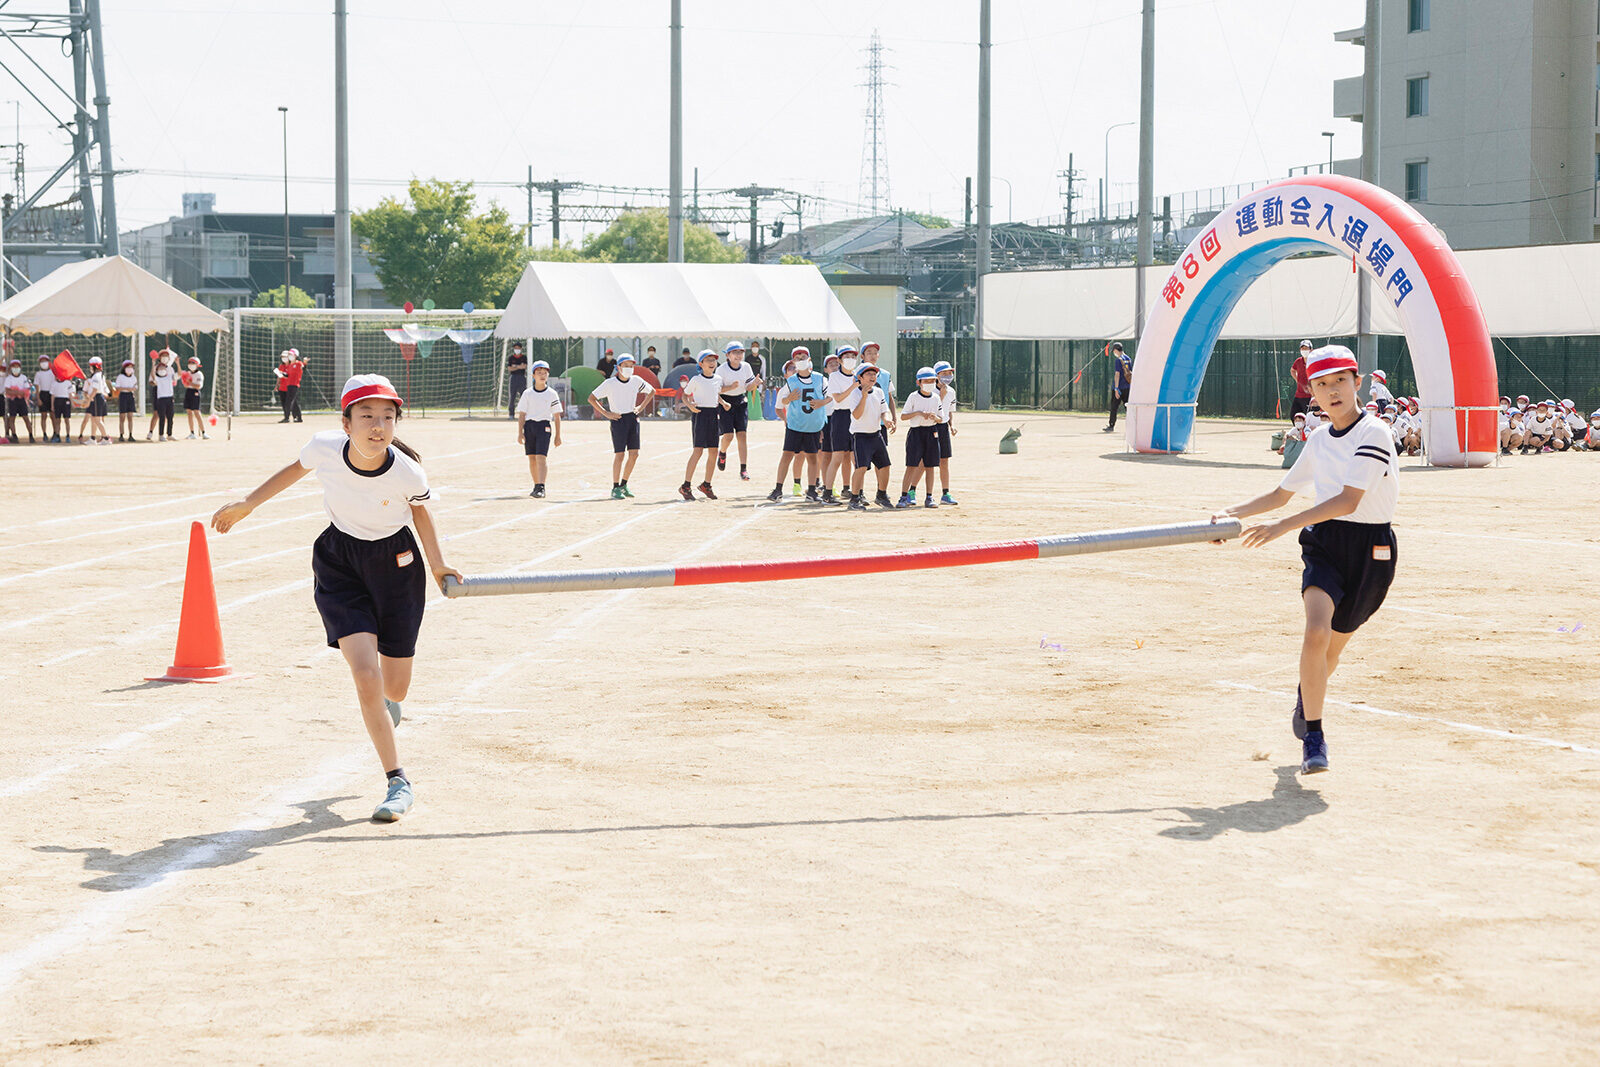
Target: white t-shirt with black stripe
column 539, row 405
column 1360, row 456
column 370, row 505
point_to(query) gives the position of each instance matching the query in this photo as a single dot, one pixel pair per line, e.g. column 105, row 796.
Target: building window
column 1417, row 16
column 1417, row 181
column 1416, row 96
column 227, row 255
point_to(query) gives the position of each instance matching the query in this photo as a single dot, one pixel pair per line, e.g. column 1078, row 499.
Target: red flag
column 65, row 368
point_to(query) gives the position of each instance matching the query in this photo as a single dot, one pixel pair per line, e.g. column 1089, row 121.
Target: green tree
column 932, row 222
column 561, row 253
column 273, row 298
column 436, row 244
column 641, row 237
column 789, row 259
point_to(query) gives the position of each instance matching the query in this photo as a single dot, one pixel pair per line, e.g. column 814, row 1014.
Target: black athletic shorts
column 62, row 404
column 922, row 446
column 97, row 406
column 625, row 433
column 44, row 402
column 837, row 435
column 16, row 405
column 1299, row 406
column 807, row 441
column 943, row 431
column 127, row 404
column 871, row 451
column 705, row 427
column 371, row 587
column 536, row 435
column 1353, row 562
column 191, row 400
column 737, row 418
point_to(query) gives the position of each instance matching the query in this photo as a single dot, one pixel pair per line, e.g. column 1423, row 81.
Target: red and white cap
column 1331, row 360
column 800, row 352
column 1379, row 376
column 365, row 387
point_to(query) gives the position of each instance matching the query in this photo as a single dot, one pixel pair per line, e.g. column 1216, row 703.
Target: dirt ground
column 1032, row 812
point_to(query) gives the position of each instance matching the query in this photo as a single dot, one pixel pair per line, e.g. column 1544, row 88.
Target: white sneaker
column 191, row 437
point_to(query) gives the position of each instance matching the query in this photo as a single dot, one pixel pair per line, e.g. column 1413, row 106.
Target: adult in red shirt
column 1302, row 384
column 293, row 371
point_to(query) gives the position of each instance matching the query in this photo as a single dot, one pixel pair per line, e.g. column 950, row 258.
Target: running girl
column 702, row 395
column 127, row 387
column 1346, row 542
column 370, row 587
column 538, row 414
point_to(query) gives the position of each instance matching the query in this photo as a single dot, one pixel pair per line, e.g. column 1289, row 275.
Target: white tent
column 1534, row 291
column 105, row 296
column 557, row 300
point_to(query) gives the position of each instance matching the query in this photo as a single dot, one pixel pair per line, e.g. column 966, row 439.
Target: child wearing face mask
column 1591, row 437
column 805, row 396
column 44, row 383
column 164, row 380
column 923, row 412
column 95, row 391
column 702, row 395
column 62, row 393
column 194, row 380
column 370, row 586
column 947, row 428
column 127, row 386
column 624, row 397
column 841, row 456
column 16, row 401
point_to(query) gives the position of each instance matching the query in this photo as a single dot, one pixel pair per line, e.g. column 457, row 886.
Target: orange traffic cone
column 199, row 657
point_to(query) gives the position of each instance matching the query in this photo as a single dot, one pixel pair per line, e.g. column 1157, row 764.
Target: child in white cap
column 923, row 414
column 702, row 395
column 946, row 428
column 94, row 404
column 1347, row 545
column 838, row 445
column 370, row 585
column 869, row 415
column 538, row 412
column 194, row 380
column 1591, row 436
column 1379, row 389
column 625, row 397
column 739, row 383
column 1538, row 429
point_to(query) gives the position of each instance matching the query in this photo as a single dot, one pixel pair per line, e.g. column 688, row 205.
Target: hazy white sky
column 480, row 89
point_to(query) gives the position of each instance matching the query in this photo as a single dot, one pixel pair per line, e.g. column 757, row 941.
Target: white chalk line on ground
column 1486, row 731
column 32, row 784
column 99, row 920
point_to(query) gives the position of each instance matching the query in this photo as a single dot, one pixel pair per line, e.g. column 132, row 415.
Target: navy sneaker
column 775, row 496
column 1297, row 722
column 1314, row 754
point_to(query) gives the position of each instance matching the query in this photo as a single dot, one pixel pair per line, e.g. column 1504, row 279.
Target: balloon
column 467, row 307
column 427, row 305
column 409, row 307
column 213, row 420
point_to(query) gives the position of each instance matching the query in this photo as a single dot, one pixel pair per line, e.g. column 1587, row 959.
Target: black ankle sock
column 398, row 772
column 616, row 485
column 1313, row 726
column 623, row 482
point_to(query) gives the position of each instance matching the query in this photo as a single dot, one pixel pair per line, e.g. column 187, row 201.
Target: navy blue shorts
column 807, row 441
column 737, row 418
column 127, row 404
column 625, row 433
column 97, row 406
column 871, row 451
column 922, row 446
column 191, row 400
column 943, row 430
column 536, row 437
column 371, row 587
column 836, row 437
column 1353, row 562
column 16, row 405
column 63, row 405
column 705, row 428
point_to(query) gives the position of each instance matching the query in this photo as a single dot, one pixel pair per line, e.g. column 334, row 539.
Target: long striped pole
column 783, row 570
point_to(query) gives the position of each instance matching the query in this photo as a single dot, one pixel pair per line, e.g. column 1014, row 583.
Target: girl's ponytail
column 406, row 450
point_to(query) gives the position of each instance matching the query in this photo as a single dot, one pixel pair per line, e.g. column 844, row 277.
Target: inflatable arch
column 1411, row 267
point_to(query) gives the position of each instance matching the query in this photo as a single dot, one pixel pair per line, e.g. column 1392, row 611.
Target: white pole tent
column 1531, row 291
column 107, row 297
column 560, row 300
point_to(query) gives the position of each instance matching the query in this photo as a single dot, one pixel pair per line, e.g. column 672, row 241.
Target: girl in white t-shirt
column 164, row 380
column 538, row 413
column 127, row 392
column 194, row 380
column 16, row 402
column 370, row 586
column 95, row 391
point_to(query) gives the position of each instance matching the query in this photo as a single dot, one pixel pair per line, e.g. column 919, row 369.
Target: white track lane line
column 94, row 753
column 100, row 919
column 1486, row 731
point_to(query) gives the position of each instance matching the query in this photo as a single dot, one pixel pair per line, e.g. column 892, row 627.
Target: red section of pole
column 832, row 566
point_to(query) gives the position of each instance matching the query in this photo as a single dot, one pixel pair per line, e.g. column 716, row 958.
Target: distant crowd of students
column 59, row 387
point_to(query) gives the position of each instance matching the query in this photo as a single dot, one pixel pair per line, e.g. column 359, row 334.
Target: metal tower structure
column 76, row 223
column 874, row 195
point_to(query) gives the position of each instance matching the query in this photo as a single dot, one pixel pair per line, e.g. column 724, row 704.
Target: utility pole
column 1366, row 343
column 755, row 193
column 675, row 143
column 1147, row 140
column 80, row 137
column 343, row 250
column 529, row 187
column 102, row 104
column 1070, row 177
column 554, row 189
column 982, row 351
column 285, row 113
column 967, row 216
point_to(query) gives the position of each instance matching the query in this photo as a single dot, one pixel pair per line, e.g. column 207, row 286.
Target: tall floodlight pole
column 1147, row 151
column 675, row 141
column 343, row 269
column 981, row 347
column 102, row 122
column 285, row 113
column 1366, row 342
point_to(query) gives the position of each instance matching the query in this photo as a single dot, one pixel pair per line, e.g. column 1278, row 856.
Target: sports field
column 1032, row 812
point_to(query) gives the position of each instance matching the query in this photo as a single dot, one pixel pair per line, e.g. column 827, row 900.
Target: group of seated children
column 1402, row 416
column 1548, row 426
column 60, row 385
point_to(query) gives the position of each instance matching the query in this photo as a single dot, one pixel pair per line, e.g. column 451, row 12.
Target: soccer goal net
column 440, row 361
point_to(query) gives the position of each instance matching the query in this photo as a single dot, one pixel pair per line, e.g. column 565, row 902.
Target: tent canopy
column 556, row 300
column 1532, row 291
column 105, row 296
